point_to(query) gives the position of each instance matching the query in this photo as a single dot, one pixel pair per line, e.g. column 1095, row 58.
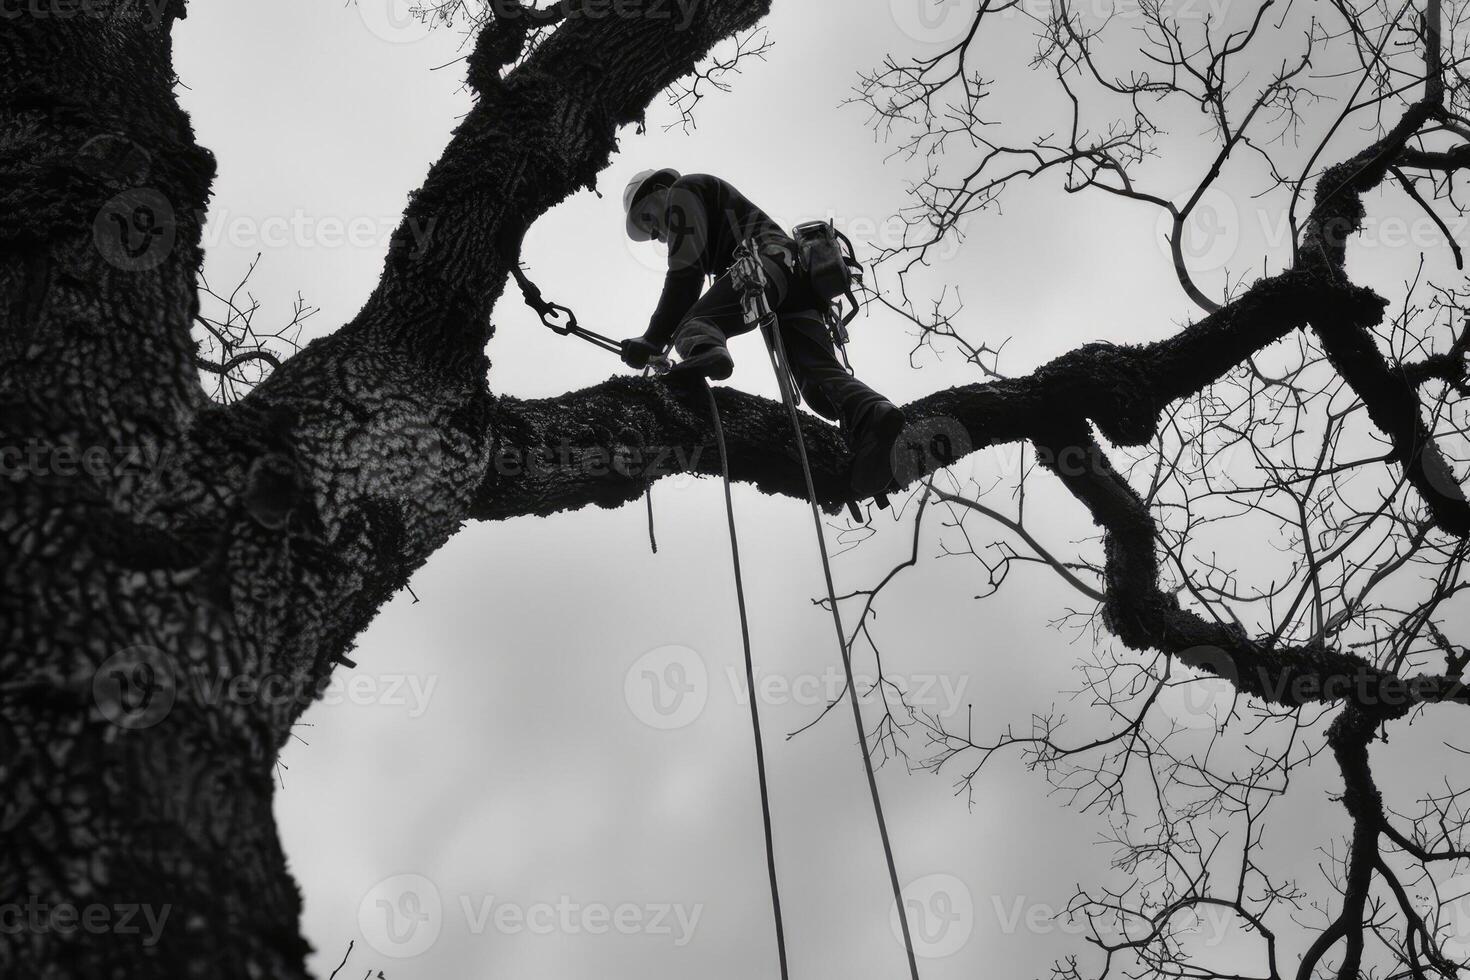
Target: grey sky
column 516, row 771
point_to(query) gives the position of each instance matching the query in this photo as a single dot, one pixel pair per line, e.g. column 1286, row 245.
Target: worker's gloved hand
column 637, row 352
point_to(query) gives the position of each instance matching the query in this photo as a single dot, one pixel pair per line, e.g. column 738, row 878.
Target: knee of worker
column 814, row 364
column 697, row 334
column 818, row 399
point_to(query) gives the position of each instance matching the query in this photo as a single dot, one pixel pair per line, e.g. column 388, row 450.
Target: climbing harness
column 749, row 278
column 827, row 258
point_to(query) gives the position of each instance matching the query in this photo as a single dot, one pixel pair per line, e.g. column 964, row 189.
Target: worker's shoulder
column 704, row 183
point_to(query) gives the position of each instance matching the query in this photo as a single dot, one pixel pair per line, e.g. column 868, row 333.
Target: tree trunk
column 180, row 579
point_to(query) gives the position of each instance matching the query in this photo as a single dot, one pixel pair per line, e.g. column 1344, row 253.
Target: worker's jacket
column 707, row 220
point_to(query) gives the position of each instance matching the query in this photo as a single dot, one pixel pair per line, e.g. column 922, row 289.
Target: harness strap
column 841, row 320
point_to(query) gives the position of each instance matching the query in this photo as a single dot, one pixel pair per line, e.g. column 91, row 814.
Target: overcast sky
column 497, row 743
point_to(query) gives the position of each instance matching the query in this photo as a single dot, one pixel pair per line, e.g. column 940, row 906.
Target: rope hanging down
column 755, row 715
column 779, row 363
column 759, row 311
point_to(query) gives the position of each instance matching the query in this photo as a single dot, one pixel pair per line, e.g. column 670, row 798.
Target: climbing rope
column 652, row 531
column 777, row 350
column 758, row 311
column 755, row 715
column 648, row 489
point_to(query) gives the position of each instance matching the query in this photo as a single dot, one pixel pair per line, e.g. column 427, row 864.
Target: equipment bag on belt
column 826, row 256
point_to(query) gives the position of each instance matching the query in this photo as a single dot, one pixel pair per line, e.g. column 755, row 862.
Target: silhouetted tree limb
column 276, row 527
column 261, row 537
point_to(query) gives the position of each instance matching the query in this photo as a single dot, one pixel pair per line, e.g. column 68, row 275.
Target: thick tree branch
column 1392, row 399
column 1120, row 388
column 535, row 136
column 359, row 457
column 1349, row 736
column 1145, row 617
column 603, row 445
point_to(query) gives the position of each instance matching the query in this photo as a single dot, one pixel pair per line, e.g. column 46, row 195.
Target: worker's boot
column 702, row 352
column 872, row 450
column 713, row 362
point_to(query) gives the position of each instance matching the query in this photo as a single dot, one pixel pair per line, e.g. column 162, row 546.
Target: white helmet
column 641, row 184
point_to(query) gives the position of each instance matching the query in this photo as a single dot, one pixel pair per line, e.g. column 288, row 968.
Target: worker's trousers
column 820, row 376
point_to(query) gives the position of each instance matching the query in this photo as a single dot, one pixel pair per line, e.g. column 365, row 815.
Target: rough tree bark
column 275, row 528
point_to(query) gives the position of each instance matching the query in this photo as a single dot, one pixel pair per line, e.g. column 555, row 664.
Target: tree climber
column 703, row 219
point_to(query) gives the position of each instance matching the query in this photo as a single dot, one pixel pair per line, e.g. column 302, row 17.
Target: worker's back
column 708, row 218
